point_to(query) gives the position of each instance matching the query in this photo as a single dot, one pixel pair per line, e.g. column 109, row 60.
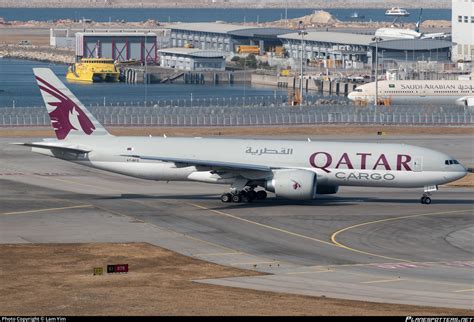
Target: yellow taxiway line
column 44, row 210
column 384, row 281
column 335, row 234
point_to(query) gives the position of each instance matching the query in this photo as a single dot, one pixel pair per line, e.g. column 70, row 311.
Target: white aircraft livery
column 459, row 92
column 290, row 169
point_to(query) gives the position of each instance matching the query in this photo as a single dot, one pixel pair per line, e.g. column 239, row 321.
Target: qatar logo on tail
column 67, row 115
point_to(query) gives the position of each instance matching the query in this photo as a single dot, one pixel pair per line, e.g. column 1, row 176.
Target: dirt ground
column 57, row 279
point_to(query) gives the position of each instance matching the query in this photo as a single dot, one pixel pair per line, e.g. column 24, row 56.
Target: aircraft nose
column 351, row 96
column 459, row 172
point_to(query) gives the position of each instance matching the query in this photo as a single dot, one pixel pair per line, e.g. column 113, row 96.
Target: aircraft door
column 418, row 164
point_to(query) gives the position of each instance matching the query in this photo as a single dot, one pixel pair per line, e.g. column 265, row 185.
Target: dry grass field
column 57, row 280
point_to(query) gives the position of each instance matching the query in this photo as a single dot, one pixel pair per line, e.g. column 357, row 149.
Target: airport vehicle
column 247, row 49
column 416, row 91
column 291, row 169
column 398, row 12
column 93, row 70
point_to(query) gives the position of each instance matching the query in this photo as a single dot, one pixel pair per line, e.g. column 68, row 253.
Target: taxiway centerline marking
column 261, row 225
column 333, row 236
column 466, row 290
column 311, row 272
column 168, row 230
column 121, row 214
column 293, row 234
column 43, row 210
column 254, row 263
column 219, row 254
column 384, row 281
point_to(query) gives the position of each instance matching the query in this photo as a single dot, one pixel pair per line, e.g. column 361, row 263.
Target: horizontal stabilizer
column 68, row 148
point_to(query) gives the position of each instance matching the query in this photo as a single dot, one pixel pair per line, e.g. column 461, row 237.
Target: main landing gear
column 244, row 196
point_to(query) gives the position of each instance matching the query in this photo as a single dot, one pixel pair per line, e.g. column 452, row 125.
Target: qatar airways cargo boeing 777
column 290, row 169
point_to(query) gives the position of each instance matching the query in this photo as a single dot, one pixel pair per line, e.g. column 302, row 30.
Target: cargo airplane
column 291, row 169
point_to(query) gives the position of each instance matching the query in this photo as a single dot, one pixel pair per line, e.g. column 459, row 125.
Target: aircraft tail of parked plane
column 291, row 169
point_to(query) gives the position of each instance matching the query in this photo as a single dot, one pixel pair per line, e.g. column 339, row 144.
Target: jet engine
column 293, row 184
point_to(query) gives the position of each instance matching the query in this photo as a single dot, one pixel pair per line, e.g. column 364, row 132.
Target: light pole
column 302, row 33
column 145, row 74
column 376, row 39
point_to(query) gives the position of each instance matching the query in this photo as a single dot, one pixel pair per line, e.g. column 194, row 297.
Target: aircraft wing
column 208, row 163
column 66, row 148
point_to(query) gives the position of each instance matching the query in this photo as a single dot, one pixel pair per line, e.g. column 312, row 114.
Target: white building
column 463, row 29
column 192, row 59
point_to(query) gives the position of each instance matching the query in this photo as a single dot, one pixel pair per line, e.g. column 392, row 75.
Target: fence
column 250, row 110
column 120, row 117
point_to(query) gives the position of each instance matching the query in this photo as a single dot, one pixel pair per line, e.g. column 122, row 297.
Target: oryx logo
column 296, row 185
column 67, row 115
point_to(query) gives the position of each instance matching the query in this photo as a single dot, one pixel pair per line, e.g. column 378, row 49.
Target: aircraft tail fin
column 418, row 23
column 69, row 117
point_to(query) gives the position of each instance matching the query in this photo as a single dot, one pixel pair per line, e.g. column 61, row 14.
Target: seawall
column 39, row 53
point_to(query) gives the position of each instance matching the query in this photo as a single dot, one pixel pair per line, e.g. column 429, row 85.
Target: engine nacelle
column 326, row 190
column 293, row 184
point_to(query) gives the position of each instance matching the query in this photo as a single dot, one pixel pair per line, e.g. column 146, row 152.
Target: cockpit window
column 358, row 90
column 450, row 162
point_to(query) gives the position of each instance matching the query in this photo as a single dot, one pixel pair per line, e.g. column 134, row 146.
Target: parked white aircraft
column 401, row 33
column 417, row 91
column 290, row 169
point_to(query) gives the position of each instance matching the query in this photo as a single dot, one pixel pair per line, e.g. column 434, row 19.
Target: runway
column 378, row 245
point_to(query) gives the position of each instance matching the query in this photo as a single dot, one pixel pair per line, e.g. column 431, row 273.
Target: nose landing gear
column 425, row 199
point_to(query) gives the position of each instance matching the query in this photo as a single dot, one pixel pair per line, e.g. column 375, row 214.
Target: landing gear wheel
column 252, row 195
column 226, row 197
column 236, row 198
column 425, row 200
column 261, row 195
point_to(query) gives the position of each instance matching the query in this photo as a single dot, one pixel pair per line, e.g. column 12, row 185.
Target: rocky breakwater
column 40, row 53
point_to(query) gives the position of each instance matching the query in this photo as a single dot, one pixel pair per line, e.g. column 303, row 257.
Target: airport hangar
column 350, row 50
column 224, row 37
column 118, row 45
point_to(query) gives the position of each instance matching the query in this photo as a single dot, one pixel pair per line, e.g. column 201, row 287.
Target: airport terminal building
column 463, row 30
column 349, row 50
column 224, row 37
